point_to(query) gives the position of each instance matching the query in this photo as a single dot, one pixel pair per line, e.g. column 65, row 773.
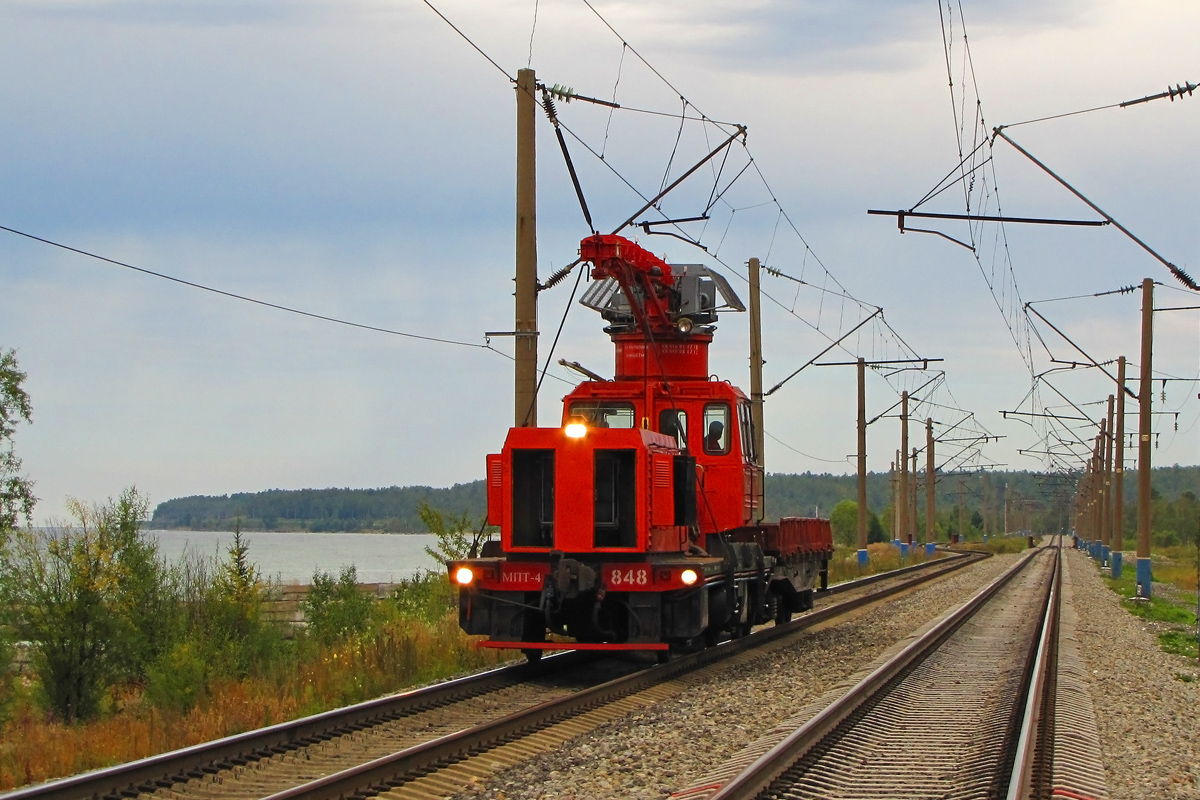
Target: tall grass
column 412, row 641
column 881, row 557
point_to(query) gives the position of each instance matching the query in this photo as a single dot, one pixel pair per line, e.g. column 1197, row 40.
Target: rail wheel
column 532, row 655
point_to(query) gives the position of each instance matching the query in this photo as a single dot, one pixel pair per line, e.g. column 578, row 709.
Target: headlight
column 464, row 576
column 688, row 576
column 575, row 430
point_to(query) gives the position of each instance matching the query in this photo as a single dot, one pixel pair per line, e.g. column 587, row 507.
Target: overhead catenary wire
column 248, row 299
column 476, row 47
column 831, row 322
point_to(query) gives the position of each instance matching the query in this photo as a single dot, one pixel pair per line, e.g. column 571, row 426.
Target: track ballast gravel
column 662, row 748
column 1147, row 701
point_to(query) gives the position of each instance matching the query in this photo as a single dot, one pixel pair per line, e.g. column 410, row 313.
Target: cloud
column 188, row 13
column 813, row 37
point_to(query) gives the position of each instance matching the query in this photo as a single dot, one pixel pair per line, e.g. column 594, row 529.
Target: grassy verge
column 1172, row 611
column 998, row 545
column 413, row 639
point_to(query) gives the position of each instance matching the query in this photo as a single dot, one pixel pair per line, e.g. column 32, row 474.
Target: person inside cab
column 714, row 442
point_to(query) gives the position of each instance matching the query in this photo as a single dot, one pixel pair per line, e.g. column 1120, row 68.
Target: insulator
column 1187, row 89
column 548, row 105
column 565, row 93
column 557, row 277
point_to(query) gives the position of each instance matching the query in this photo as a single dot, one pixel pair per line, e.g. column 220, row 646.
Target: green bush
column 335, row 609
column 93, row 598
column 179, row 679
column 427, row 597
column 7, row 677
column 1165, row 539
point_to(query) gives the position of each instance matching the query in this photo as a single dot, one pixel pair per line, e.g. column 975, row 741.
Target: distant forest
column 395, row 509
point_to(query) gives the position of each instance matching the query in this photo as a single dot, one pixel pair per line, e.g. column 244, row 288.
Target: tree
column 242, row 635
column 16, row 490
column 844, row 521
column 454, row 533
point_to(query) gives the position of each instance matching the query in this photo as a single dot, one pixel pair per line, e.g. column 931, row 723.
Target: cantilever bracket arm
column 813, row 360
column 1179, row 274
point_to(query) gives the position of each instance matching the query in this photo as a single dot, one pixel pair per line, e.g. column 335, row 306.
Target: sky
column 356, row 160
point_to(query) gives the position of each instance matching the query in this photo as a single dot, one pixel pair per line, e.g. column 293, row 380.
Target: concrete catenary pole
column 1108, row 467
column 987, row 507
column 526, row 321
column 1006, row 508
column 756, row 388
column 912, row 509
column 930, row 487
column 862, row 462
column 1119, row 473
column 1145, row 391
column 1100, row 493
column 902, row 504
column 895, row 505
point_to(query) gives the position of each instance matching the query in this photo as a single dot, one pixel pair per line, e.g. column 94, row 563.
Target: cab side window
column 746, row 427
column 673, row 422
column 716, row 429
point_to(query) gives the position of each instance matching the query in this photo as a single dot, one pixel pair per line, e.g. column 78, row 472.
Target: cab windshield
column 603, row 413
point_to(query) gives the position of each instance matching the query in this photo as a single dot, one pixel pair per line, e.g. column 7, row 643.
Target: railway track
column 433, row 739
column 963, row 710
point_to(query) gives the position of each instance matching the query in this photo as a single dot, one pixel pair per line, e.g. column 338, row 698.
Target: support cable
column 247, row 299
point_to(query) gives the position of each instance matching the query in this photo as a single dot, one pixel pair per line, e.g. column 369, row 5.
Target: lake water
column 293, row 557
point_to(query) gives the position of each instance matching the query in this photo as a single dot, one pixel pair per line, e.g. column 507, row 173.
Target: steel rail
column 178, row 766
column 866, row 580
column 757, row 778
column 394, row 770
column 1029, row 743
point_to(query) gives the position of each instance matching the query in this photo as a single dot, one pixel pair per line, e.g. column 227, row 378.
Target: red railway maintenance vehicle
column 635, row 524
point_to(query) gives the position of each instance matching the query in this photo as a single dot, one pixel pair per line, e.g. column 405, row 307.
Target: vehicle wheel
column 663, row 656
column 532, row 655
column 783, row 614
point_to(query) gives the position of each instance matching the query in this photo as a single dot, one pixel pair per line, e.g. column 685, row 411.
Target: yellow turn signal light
column 464, row 576
column 688, row 576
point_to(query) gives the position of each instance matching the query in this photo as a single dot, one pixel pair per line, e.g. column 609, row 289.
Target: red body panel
column 574, row 477
column 685, row 358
